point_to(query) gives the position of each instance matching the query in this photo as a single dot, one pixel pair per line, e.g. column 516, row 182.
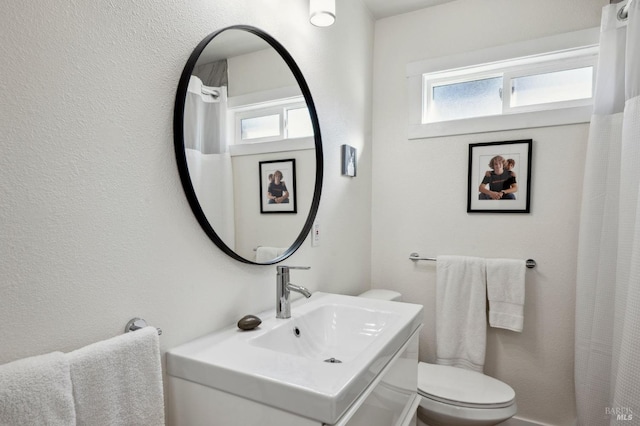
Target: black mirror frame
column 178, row 134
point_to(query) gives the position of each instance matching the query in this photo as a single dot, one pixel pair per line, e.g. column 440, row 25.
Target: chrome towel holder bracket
column 136, row 324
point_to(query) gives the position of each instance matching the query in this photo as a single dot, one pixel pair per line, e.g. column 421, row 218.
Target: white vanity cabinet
column 389, row 400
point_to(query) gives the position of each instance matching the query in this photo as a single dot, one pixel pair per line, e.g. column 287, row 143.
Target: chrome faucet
column 283, row 289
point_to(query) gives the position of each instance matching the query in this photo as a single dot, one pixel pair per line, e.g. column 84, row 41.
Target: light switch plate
column 315, row 234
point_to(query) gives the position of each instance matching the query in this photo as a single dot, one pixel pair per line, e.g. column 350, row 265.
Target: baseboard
column 519, row 421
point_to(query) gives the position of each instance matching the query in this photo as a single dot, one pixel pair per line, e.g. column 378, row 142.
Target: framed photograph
column 500, row 177
column 349, row 160
column 278, row 186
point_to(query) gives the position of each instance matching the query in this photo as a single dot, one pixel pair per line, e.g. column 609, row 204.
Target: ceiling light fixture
column 322, row 13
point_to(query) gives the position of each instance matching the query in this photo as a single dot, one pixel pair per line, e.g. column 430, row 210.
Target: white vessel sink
column 292, row 364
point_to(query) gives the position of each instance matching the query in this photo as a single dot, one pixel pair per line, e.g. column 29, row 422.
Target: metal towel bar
column 530, row 263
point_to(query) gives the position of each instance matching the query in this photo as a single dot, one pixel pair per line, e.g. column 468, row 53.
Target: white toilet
column 453, row 396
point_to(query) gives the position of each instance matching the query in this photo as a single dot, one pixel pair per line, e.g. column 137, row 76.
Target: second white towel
column 505, row 290
column 461, row 319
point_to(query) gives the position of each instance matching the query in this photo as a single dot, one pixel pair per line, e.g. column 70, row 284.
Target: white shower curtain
column 607, row 352
column 208, row 158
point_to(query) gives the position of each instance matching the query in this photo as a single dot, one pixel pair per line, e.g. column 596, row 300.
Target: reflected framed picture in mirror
column 278, row 186
column 500, row 177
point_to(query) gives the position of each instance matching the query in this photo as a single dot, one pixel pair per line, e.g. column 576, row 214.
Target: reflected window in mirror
column 272, row 121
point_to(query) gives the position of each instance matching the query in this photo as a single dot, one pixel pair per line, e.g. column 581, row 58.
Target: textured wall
column 420, row 190
column 95, row 227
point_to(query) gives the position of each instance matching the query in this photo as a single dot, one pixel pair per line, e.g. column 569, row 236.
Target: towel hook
column 136, row 324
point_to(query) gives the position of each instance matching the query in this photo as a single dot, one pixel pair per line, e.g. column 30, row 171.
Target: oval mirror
column 248, row 145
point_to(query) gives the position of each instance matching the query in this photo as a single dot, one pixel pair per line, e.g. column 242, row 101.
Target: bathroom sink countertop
column 287, row 363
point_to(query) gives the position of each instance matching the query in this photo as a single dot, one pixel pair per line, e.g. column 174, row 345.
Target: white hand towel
column 461, row 318
column 118, row 382
column 505, row 290
column 37, row 391
column 265, row 254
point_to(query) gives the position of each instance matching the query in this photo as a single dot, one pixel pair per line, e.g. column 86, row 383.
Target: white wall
column 420, row 189
column 95, row 227
column 258, row 71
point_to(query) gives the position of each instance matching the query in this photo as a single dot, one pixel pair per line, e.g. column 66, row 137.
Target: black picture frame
column 500, row 197
column 278, row 193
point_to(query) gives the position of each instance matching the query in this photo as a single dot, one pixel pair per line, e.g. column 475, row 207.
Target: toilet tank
column 378, row 293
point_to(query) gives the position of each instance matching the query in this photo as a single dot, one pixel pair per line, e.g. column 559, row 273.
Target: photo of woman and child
column 277, row 191
column 499, row 183
column 278, row 186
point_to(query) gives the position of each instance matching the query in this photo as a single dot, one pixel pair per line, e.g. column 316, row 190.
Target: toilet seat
column 462, row 388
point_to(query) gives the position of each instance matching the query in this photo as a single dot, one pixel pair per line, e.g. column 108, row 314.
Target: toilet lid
column 460, row 387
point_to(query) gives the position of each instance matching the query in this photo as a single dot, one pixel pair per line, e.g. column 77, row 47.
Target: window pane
column 474, row 98
column 550, row 87
column 260, row 127
column 299, row 123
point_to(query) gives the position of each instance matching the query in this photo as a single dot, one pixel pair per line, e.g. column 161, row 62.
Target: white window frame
column 254, row 105
column 431, row 81
column 567, row 51
column 278, row 108
column 256, row 113
column 556, row 65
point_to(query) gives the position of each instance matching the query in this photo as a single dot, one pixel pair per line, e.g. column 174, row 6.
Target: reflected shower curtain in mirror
column 607, row 351
column 208, row 159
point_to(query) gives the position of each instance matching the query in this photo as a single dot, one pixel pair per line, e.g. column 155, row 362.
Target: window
column 299, row 123
column 551, row 87
column 540, row 83
column 451, row 100
column 272, row 121
column 546, row 82
column 261, row 127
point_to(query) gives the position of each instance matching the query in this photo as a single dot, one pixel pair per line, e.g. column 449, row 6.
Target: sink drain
column 333, row 361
